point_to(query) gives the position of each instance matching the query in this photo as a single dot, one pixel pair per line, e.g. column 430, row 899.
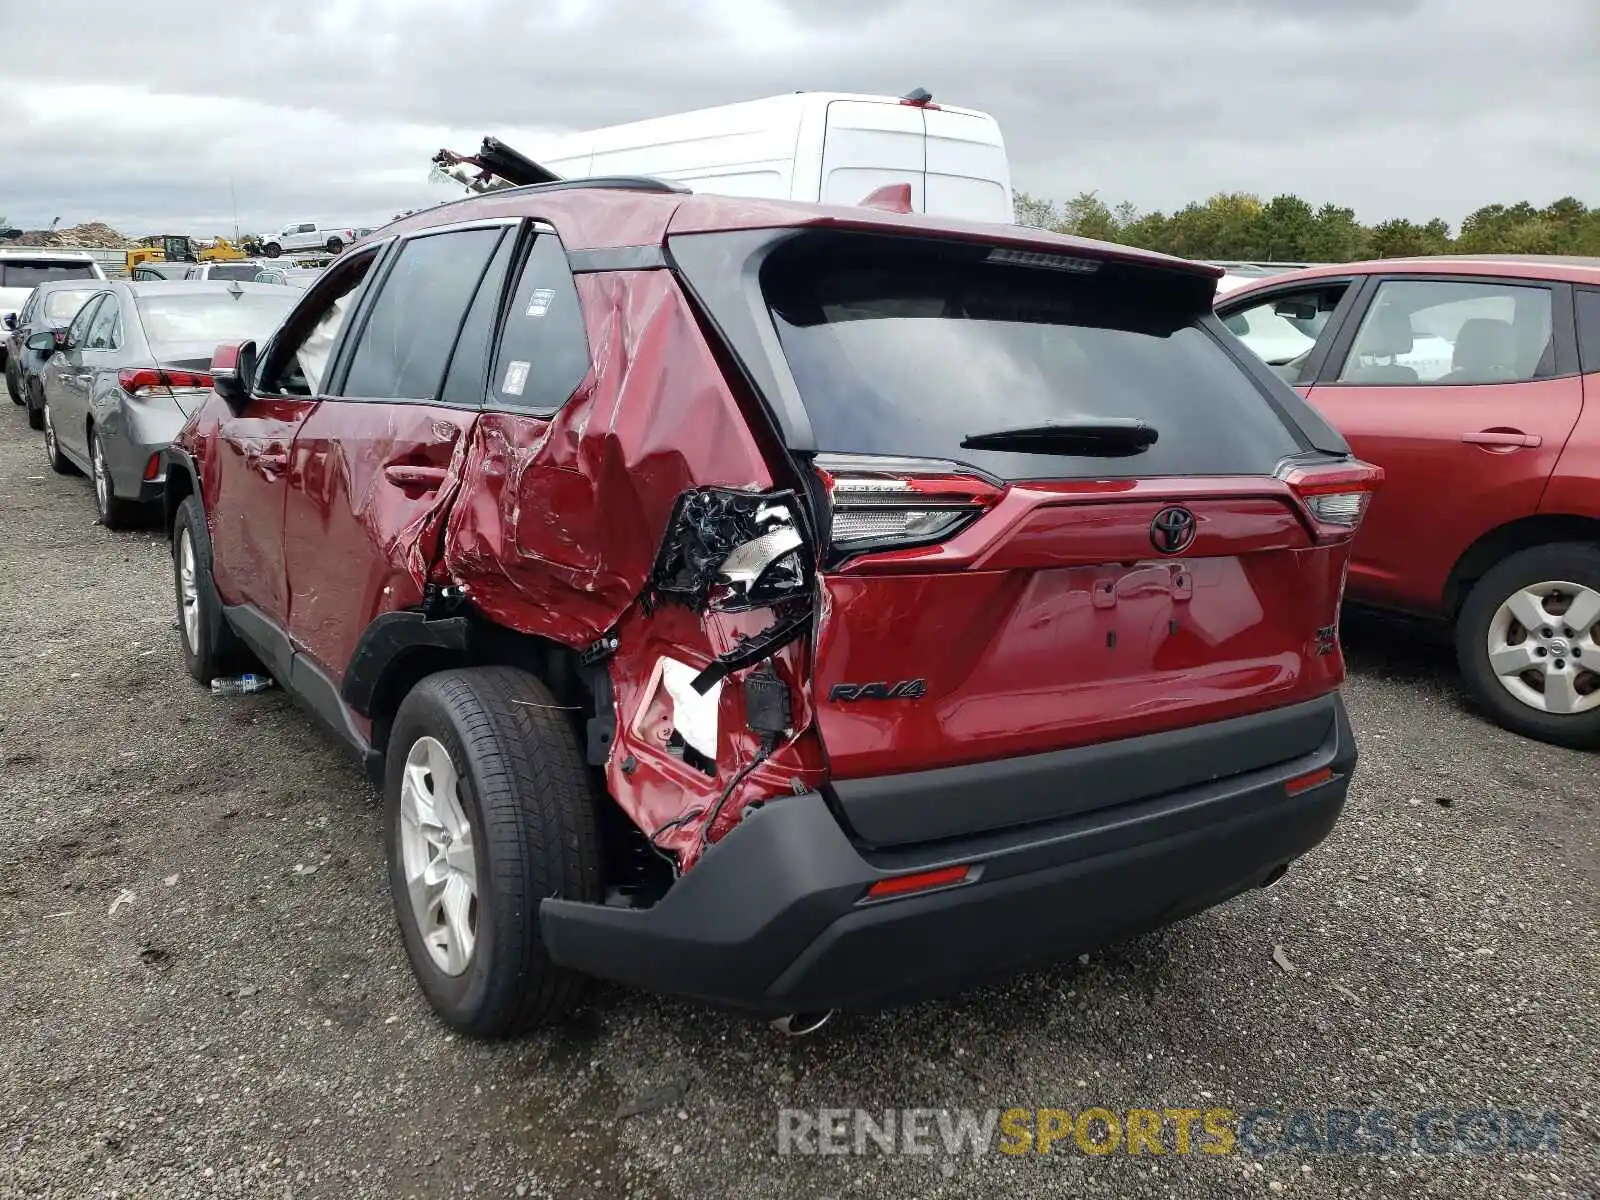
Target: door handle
column 409, row 475
column 1511, row 438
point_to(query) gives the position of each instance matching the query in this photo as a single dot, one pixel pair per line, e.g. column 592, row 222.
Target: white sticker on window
column 516, row 377
column 539, row 302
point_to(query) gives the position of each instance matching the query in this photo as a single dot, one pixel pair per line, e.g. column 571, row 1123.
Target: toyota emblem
column 1172, row 531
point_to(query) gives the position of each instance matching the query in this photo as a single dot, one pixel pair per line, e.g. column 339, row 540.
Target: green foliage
column 1237, row 225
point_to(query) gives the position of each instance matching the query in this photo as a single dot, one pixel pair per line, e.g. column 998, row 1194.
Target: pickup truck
column 307, row 235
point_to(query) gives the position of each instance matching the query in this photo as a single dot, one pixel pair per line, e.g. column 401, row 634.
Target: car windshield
column 910, row 351
column 63, row 305
column 213, row 316
column 23, row 273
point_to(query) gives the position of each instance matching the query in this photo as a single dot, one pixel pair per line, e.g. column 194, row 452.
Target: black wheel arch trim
column 176, row 458
column 386, row 641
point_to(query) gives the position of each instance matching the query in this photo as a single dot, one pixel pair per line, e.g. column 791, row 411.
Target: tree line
column 1239, row 225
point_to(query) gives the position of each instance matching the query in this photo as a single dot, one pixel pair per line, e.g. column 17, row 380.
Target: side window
column 544, row 351
column 103, row 329
column 1589, row 332
column 296, row 364
column 78, row 331
column 1436, row 331
column 468, row 377
column 403, row 350
column 28, row 308
column 1283, row 331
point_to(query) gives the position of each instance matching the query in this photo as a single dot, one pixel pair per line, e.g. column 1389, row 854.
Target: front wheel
column 11, row 382
column 335, row 245
column 59, row 462
column 487, row 811
column 1528, row 641
column 272, row 250
column 210, row 646
column 35, row 398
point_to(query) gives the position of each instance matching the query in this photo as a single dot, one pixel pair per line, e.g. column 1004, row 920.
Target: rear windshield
column 213, row 316
column 907, row 349
column 20, row 273
column 243, row 270
column 63, row 305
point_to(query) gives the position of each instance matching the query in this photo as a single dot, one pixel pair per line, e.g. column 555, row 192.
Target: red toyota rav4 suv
column 1475, row 384
column 786, row 606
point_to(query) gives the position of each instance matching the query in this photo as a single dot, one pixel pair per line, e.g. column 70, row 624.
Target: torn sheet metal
column 559, row 531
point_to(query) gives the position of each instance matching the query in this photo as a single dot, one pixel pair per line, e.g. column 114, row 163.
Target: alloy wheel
column 102, row 478
column 1544, row 647
column 436, row 848
column 49, row 435
column 188, row 592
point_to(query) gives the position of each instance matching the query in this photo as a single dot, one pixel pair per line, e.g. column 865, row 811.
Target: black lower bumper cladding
column 776, row 918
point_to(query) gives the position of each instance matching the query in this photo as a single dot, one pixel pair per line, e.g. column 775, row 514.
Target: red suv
column 1475, row 384
column 786, row 606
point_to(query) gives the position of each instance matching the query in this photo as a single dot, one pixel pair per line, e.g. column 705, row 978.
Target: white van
column 817, row 146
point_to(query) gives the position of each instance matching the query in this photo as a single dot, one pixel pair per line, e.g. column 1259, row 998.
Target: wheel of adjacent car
column 488, row 809
column 59, row 462
column 272, row 250
column 11, row 382
column 35, row 398
column 114, row 512
column 1528, row 641
column 335, row 245
column 210, row 646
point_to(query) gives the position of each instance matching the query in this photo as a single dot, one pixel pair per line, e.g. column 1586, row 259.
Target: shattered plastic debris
column 1282, row 959
column 123, row 897
column 732, row 550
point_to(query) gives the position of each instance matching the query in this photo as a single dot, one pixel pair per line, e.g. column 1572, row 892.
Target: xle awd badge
column 1172, row 530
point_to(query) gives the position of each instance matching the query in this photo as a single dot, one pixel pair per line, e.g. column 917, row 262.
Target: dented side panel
column 560, row 526
column 371, row 483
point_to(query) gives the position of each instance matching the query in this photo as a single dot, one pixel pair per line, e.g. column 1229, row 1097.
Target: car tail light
column 1312, row 779
column 154, row 381
column 892, row 503
column 1335, row 495
column 152, row 469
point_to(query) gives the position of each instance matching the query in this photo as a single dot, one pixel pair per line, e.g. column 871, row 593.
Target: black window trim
column 1578, row 290
column 1354, row 285
column 1563, row 326
column 344, row 350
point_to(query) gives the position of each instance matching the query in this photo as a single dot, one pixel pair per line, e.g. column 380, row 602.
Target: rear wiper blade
column 1104, row 437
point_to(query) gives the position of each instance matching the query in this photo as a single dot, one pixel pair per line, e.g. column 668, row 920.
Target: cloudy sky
column 154, row 115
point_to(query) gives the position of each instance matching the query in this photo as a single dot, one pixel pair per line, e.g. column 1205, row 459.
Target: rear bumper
column 774, row 917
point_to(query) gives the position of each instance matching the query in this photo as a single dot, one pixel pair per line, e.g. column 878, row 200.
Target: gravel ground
column 202, row 992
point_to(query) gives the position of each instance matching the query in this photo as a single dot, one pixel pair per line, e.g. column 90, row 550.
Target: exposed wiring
column 761, row 756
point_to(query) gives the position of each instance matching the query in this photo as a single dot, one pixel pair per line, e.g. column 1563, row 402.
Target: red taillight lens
column 153, row 379
column 892, row 503
column 1335, row 494
column 152, row 469
column 920, row 881
column 1304, row 783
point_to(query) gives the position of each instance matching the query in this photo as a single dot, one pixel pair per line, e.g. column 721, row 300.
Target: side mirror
column 47, row 342
column 233, row 373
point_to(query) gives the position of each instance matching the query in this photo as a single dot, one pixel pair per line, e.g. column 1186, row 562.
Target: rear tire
column 211, row 649
column 1548, row 584
column 59, row 462
column 335, row 245
column 35, row 400
column 11, row 382
column 517, row 781
column 272, row 250
column 115, row 512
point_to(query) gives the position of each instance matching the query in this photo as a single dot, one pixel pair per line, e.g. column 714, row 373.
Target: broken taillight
column 1335, row 495
column 891, row 503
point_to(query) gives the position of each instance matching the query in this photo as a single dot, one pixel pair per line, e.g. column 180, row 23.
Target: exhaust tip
column 801, row 1024
column 1274, row 877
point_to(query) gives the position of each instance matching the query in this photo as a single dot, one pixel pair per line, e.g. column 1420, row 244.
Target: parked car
column 1475, row 384
column 308, row 235
column 152, row 269
column 243, row 270
column 786, row 606
column 22, row 268
column 129, row 371
column 295, row 277
column 49, row 307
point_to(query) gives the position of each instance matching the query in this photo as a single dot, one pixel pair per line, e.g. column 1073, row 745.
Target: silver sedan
column 133, row 367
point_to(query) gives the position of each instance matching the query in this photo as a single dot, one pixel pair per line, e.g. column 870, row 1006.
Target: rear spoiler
column 497, row 166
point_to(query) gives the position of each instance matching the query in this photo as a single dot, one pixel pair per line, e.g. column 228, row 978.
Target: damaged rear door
column 376, row 466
